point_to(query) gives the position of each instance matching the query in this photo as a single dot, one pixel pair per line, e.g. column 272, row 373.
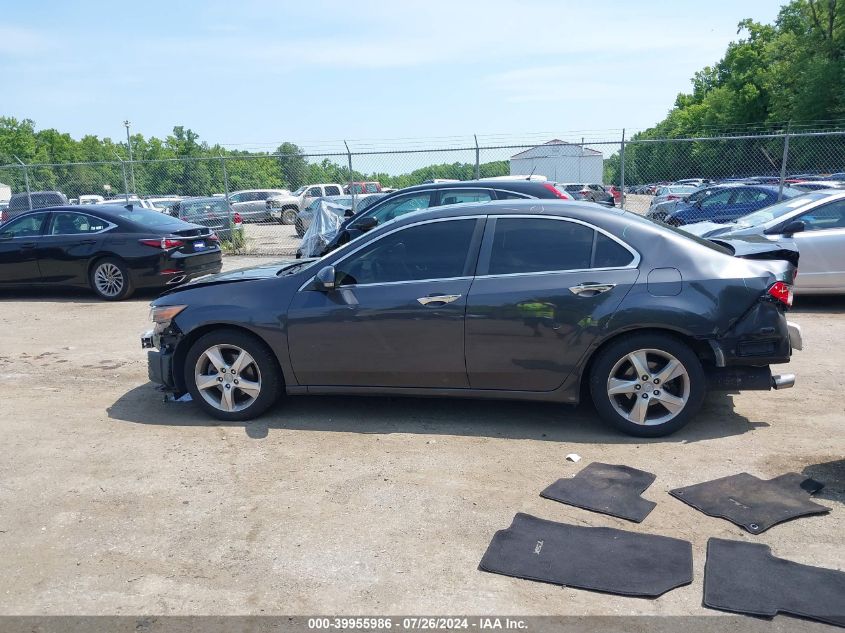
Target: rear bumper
column 183, row 268
column 747, row 378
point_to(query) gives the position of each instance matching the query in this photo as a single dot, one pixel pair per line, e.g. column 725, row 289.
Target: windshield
column 779, row 209
column 300, row 190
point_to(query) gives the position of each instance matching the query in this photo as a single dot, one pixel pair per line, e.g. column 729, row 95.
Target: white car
column 284, row 208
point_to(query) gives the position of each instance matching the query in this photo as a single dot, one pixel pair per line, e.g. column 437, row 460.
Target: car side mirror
column 365, row 224
column 325, row 279
column 795, row 226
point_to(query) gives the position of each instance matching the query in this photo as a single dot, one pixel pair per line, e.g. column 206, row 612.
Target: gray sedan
column 815, row 221
column 524, row 299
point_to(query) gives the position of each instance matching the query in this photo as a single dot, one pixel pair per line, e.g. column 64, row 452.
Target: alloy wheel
column 648, row 387
column 109, row 280
column 227, row 378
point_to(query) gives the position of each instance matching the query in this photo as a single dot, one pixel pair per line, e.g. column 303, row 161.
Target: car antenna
column 532, row 172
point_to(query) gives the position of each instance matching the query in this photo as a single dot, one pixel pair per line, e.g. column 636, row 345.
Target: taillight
column 164, row 243
column 557, row 192
column 213, row 238
column 4, row 215
column 673, row 197
column 782, row 291
column 237, row 218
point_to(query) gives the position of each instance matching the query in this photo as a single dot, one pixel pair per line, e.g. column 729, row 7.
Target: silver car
column 671, row 192
column 251, row 204
column 816, row 223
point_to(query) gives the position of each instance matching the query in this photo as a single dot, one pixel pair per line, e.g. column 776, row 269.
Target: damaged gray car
column 512, row 299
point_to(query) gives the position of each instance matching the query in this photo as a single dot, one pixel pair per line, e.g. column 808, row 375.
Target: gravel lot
column 114, row 502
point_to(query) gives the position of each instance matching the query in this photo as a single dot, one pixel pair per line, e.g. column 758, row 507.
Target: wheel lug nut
column 637, row 387
column 656, row 393
column 236, row 382
column 228, row 386
column 645, row 396
column 645, row 378
column 220, row 379
column 657, row 381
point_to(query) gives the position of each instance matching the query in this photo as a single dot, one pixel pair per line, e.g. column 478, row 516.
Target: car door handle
column 28, row 245
column 591, row 289
column 88, row 242
column 431, row 299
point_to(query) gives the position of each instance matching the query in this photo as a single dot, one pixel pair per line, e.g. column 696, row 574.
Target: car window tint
column 333, row 190
column 610, row 253
column 313, row 191
column 400, row 206
column 436, row 250
column 458, row 196
column 750, row 195
column 716, row 200
column 511, row 195
column 29, row 226
column 523, row 245
column 75, row 223
column 829, row 216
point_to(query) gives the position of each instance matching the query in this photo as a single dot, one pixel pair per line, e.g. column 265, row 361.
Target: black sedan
column 111, row 249
column 516, row 299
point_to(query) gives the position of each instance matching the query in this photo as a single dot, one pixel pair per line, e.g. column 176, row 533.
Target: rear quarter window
column 610, row 253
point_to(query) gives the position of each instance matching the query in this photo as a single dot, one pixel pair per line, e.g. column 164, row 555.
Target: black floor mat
column 605, row 488
column 752, row 503
column 597, row 558
column 746, row 578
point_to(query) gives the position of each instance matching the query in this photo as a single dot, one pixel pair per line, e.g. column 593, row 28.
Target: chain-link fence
column 266, row 191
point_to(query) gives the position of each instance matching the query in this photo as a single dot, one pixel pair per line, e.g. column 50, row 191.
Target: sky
column 253, row 73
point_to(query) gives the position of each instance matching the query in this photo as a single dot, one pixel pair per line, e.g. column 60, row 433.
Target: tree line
column 786, row 75
column 181, row 164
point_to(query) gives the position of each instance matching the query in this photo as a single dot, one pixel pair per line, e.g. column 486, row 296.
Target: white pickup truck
column 284, row 208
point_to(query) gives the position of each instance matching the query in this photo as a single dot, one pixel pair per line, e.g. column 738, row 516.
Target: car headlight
column 163, row 315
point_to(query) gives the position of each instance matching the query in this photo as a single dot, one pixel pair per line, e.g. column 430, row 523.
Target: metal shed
column 560, row 161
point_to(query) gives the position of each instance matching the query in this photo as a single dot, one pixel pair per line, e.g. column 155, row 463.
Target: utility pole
column 131, row 167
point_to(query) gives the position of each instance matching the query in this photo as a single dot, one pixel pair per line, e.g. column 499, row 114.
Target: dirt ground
column 115, row 502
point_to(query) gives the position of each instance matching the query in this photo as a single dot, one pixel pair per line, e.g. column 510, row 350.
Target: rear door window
column 333, row 190
column 529, row 245
column 458, row 196
column 67, row 223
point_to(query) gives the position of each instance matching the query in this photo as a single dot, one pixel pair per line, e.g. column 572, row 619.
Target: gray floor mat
column 596, row 558
column 605, row 488
column 752, row 503
column 746, row 578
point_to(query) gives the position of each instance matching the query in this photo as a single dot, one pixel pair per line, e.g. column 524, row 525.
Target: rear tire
column 648, row 384
column 109, row 279
column 289, row 216
column 232, row 375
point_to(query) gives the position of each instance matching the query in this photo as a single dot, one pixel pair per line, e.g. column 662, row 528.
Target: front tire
column 109, row 279
column 232, row 375
column 289, row 216
column 647, row 385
